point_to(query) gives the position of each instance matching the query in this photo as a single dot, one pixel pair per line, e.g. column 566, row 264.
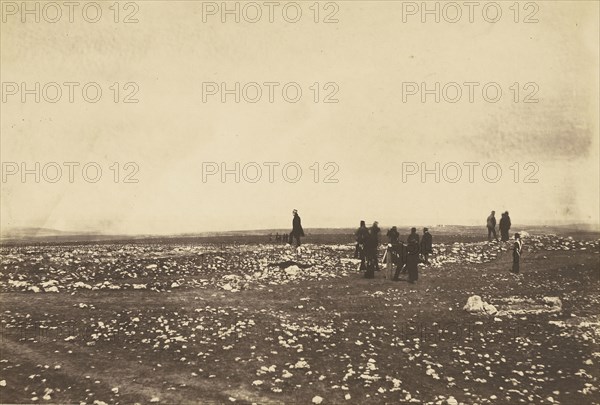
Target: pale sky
column 369, row 53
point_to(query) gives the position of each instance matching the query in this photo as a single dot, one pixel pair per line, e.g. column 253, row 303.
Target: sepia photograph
column 300, row 202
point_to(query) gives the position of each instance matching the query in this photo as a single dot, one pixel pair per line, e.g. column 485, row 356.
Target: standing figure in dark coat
column 491, row 226
column 362, row 234
column 413, row 237
column 393, row 235
column 426, row 245
column 375, row 235
column 517, row 249
column 371, row 253
column 297, row 230
column 504, row 227
column 412, row 256
column 395, row 249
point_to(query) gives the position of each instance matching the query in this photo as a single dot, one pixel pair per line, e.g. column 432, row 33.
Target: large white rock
column 554, row 301
column 292, row 270
column 452, row 401
column 476, row 305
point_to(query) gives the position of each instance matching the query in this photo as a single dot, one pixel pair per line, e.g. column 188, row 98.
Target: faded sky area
column 375, row 136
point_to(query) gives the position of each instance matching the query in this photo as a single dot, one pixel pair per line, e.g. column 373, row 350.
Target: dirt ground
column 195, row 323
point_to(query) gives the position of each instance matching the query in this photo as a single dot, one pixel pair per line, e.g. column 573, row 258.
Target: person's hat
column 425, row 229
column 294, row 210
column 517, row 235
column 413, row 229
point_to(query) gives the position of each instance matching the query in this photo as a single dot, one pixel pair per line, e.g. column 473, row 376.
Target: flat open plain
column 175, row 322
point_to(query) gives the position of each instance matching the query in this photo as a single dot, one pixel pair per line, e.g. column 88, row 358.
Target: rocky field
column 263, row 323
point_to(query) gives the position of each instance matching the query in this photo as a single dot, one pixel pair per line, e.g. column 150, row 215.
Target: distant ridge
column 32, row 231
column 47, row 235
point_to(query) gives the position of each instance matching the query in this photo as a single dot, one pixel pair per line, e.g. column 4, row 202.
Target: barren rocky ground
column 188, row 322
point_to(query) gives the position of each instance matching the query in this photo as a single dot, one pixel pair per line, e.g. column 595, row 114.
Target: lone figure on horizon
column 297, row 230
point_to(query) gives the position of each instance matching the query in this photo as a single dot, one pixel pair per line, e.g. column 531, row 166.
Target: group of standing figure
column 504, row 236
column 405, row 257
column 504, row 226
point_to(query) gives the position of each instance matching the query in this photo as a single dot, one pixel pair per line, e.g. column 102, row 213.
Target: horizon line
column 5, row 233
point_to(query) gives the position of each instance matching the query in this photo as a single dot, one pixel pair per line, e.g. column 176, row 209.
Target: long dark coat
column 517, row 249
column 412, row 262
column 297, row 226
column 427, row 243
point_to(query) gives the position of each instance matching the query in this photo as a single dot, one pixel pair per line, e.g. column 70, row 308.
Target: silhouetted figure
column 504, row 227
column 374, row 231
column 361, row 234
column 412, row 256
column 393, row 235
column 517, row 249
column 395, row 250
column 426, row 245
column 297, row 230
column 413, row 237
column 491, row 226
column 371, row 252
